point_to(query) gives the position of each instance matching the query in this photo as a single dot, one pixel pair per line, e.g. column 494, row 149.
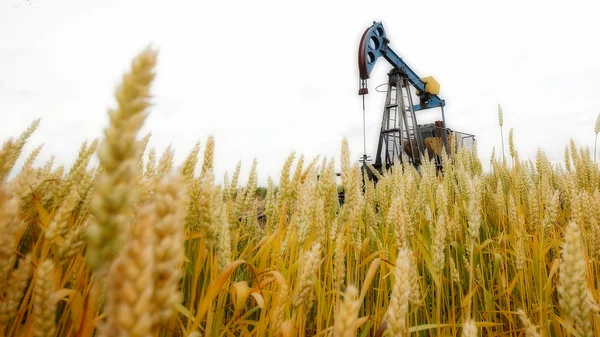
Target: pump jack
column 400, row 132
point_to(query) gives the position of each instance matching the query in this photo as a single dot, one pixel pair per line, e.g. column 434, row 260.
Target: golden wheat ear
column 469, row 329
column 530, row 330
column 116, row 191
column 9, row 226
column 43, row 303
column 398, row 309
column 17, row 284
column 12, row 149
column 572, row 288
column 169, row 247
column 347, row 316
column 130, row 286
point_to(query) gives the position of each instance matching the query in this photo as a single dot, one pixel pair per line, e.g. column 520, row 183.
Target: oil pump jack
column 400, row 131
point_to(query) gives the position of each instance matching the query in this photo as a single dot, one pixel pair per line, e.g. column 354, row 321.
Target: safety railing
column 461, row 139
column 464, row 139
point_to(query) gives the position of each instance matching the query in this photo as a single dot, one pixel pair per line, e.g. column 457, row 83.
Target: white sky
column 269, row 77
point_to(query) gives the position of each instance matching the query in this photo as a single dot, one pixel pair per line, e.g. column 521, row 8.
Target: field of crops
column 143, row 246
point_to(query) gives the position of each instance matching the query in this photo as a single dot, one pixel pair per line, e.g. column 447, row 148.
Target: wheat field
column 142, row 246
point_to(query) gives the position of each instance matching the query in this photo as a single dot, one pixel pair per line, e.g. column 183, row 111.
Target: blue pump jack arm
column 396, row 61
column 374, row 44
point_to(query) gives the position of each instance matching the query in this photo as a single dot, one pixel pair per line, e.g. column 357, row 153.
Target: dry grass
column 142, row 246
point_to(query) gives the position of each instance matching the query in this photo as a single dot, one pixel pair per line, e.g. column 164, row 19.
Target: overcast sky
column 269, row 77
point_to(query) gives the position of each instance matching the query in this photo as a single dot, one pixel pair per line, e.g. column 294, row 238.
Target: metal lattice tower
column 399, row 128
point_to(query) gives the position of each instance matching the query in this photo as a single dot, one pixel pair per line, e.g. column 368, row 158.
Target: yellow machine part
column 431, row 85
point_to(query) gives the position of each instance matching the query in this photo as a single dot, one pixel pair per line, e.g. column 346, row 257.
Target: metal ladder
column 411, row 131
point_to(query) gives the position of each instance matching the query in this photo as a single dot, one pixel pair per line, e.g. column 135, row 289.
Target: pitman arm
column 374, row 44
